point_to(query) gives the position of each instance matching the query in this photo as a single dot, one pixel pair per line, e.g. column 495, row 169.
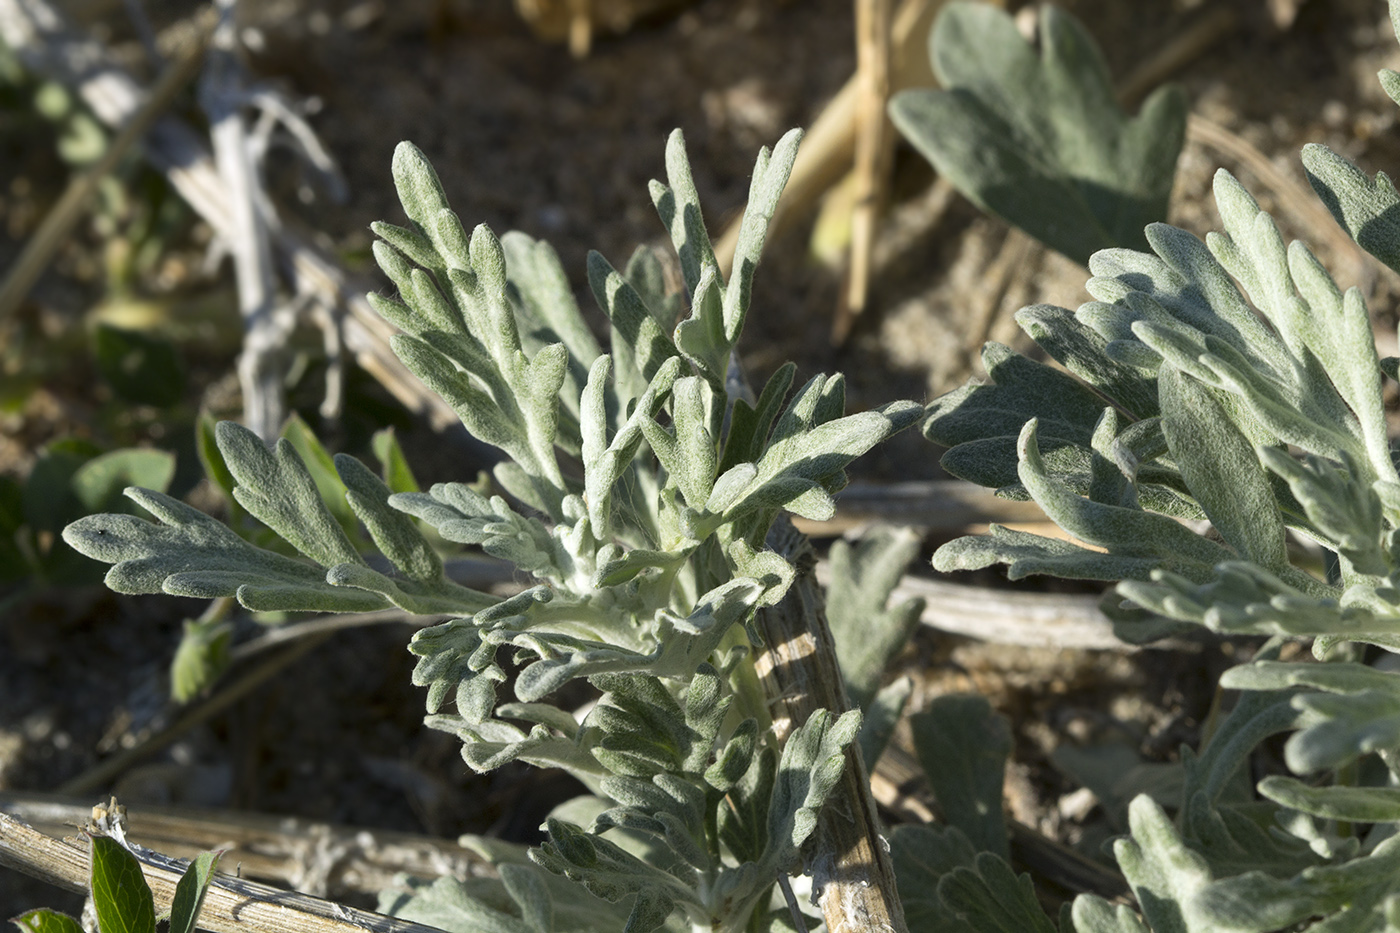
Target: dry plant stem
column 874, row 147
column 364, row 332
column 46, row 46
column 1178, row 52
column 60, row 220
column 1009, row 617
column 273, row 849
column 265, row 330
column 828, row 148
column 231, row 906
column 851, row 870
column 936, row 505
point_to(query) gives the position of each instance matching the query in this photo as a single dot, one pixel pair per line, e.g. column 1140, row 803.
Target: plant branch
column 232, row 905
column 874, row 150
column 46, row 46
column 265, row 324
column 269, row 848
column 59, row 222
column 850, row 865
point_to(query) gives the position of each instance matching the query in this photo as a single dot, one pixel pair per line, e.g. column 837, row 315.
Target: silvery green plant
column 1036, row 135
column 1230, row 381
column 636, row 491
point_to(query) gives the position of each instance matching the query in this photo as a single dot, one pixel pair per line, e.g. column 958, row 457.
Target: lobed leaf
column 1039, row 139
column 963, row 747
column 992, row 898
column 276, row 488
column 611, row 873
column 191, row 554
column 1368, row 209
column 867, row 632
column 811, row 764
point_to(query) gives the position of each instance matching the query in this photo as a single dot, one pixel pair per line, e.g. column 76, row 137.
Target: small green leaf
column 749, row 425
column 189, row 893
column 216, row 468
column 398, row 475
column 44, row 920
column 869, row 634
column 120, row 895
column 321, row 465
column 98, row 484
column 200, row 659
column 992, row 898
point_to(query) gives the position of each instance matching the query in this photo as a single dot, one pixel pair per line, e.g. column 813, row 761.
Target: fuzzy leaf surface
column 963, row 747
column 1039, row 139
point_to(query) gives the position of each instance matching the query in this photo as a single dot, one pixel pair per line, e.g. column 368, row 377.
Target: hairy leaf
column 1039, row 139
column 868, row 633
column 963, row 747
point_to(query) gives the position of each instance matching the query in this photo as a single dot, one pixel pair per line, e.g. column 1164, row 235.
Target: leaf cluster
column 1229, row 381
column 636, row 491
column 121, row 899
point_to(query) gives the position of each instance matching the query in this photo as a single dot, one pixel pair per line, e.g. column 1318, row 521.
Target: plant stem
column 849, row 863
